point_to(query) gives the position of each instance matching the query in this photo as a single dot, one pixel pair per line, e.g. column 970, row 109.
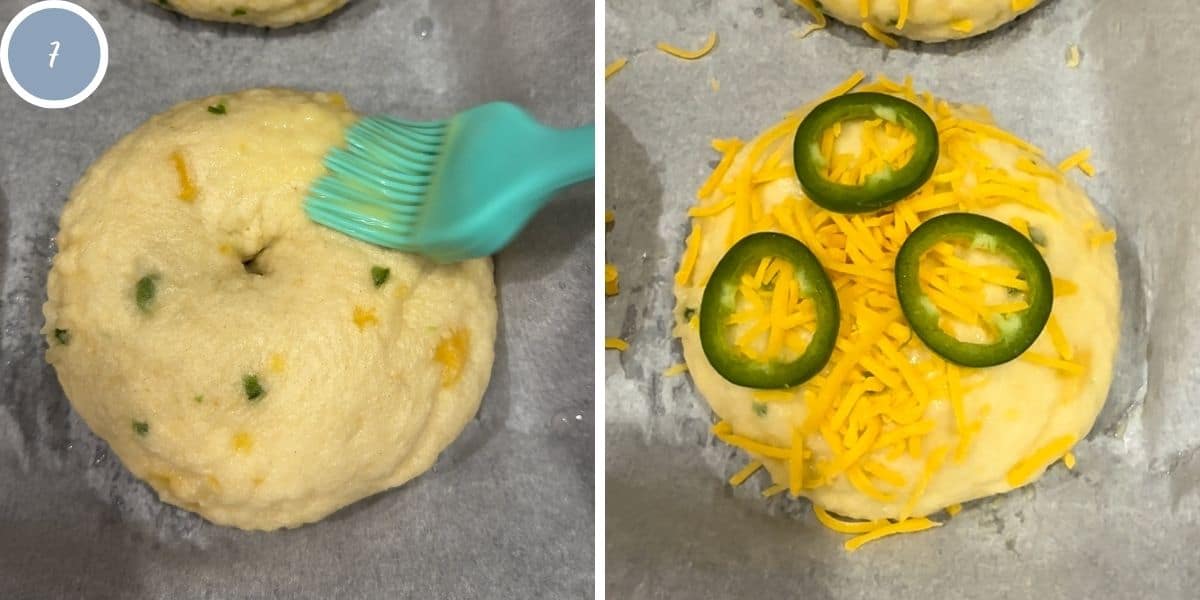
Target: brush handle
column 569, row 155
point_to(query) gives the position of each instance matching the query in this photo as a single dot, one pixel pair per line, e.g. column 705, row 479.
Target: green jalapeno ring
column 882, row 188
column 720, row 302
column 1018, row 331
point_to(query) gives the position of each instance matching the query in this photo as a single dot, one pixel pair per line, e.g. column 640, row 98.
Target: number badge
column 54, row 54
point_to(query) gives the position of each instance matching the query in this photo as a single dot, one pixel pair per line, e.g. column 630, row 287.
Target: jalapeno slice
column 881, row 188
column 1016, row 332
column 720, row 302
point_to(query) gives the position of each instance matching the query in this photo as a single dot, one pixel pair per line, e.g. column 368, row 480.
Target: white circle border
column 31, row 10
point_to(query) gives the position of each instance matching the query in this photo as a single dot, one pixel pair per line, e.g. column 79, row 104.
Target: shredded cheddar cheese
column 796, row 463
column 678, row 52
column 1073, row 57
column 1104, row 237
column 689, row 257
column 675, row 369
column 774, row 490
column 1061, row 344
column 364, row 317
column 1052, row 362
column 818, row 16
column 1075, row 160
column 242, row 442
column 906, row 526
column 741, row 476
column 1064, row 287
column 1069, row 460
column 808, row 29
column 617, row 344
column 614, row 67
column 1025, row 468
column 451, row 353
column 932, row 465
column 841, row 526
column 953, row 509
column 612, row 284
column 962, row 25
column 187, row 190
column 879, row 36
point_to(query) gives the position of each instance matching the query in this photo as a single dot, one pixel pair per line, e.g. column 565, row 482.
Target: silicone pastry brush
column 451, row 190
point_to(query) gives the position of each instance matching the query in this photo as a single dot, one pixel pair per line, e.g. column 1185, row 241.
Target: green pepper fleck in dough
column 254, row 390
column 379, row 275
column 144, row 294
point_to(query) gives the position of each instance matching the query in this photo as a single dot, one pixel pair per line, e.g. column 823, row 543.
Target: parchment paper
column 507, row 511
column 1125, row 524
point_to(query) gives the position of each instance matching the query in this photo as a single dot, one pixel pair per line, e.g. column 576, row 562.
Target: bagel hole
column 251, row 265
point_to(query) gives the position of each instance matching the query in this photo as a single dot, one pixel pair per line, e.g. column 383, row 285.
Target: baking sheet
column 1125, row 523
column 507, row 510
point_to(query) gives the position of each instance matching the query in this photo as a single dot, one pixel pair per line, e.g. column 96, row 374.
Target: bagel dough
column 263, row 13
column 930, row 20
column 248, row 364
column 1012, row 421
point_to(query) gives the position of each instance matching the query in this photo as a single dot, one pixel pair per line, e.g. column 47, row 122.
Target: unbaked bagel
column 264, row 13
column 928, row 20
column 248, row 364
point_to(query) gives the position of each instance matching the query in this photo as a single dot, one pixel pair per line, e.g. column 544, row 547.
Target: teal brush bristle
column 378, row 183
column 448, row 190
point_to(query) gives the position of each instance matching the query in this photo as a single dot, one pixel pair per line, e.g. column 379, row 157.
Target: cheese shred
column 841, row 526
column 742, row 475
column 612, row 280
column 614, row 67
column 1073, row 57
column 879, row 36
column 678, row 52
column 617, row 344
column 818, row 16
column 1075, row 160
column 1025, row 468
column 675, row 370
column 187, row 190
column 906, row 526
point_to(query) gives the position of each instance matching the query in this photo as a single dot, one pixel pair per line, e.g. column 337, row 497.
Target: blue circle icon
column 54, row 54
